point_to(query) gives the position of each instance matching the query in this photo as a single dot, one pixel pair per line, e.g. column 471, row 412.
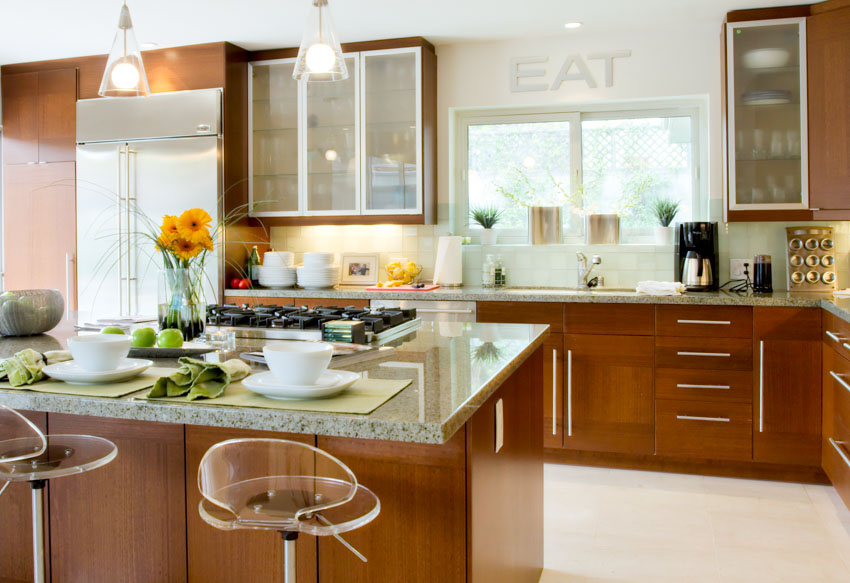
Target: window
column 587, row 162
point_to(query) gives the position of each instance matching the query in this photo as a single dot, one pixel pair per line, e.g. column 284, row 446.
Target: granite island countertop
column 454, row 369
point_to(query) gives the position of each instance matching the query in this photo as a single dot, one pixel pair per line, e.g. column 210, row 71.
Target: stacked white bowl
column 277, row 270
column 318, row 271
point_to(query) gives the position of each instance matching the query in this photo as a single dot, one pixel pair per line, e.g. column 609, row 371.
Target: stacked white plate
column 318, row 259
column 276, row 277
column 318, row 277
column 279, row 259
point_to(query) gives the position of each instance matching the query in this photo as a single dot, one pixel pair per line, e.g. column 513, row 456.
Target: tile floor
column 621, row 526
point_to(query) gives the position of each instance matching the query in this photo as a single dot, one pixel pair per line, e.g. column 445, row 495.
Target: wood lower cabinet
column 787, row 385
column 553, row 391
column 609, row 397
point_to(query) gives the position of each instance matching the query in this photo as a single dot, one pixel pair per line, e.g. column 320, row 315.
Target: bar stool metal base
column 37, row 487
column 289, row 539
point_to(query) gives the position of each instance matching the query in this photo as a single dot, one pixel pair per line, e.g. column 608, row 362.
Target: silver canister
column 544, row 224
column 603, row 229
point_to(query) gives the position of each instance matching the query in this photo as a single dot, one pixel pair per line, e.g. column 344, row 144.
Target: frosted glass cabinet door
column 767, row 115
column 392, row 135
column 331, row 131
column 274, row 139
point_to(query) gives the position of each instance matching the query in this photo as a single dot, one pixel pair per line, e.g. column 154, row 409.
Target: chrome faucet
column 584, row 270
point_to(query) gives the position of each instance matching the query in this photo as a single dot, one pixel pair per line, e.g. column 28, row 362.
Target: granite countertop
column 455, row 368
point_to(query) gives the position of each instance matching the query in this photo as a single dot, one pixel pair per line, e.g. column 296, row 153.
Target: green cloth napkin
column 24, row 368
column 199, row 378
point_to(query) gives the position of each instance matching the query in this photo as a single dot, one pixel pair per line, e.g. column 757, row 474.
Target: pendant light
column 320, row 56
column 125, row 74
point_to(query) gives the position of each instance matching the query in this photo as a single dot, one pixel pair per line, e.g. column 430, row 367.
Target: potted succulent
column 487, row 216
column 665, row 210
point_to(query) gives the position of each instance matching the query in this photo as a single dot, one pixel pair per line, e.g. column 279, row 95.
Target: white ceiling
column 32, row 30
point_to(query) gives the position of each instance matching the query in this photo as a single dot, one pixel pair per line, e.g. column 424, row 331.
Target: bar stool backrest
column 22, row 439
column 273, row 482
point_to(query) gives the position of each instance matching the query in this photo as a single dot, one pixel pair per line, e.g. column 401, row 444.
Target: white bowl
column 766, row 58
column 99, row 352
column 297, row 362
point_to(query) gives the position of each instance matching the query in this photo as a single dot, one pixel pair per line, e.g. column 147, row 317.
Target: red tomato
column 244, row 283
column 234, row 283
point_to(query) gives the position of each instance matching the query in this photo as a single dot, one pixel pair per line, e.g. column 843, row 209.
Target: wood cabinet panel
column 616, row 319
column 128, row 518
column 20, row 118
column 609, row 396
column 704, row 321
column 553, row 391
column 828, row 70
column 16, row 560
column 836, row 334
column 787, row 385
column 730, row 386
column 254, row 301
column 704, row 429
column 240, row 555
column 57, row 115
column 523, row 313
column 342, row 303
column 836, row 463
column 704, row 353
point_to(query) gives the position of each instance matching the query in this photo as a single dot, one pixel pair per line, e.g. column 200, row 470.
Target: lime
column 144, row 337
column 112, row 330
column 170, row 338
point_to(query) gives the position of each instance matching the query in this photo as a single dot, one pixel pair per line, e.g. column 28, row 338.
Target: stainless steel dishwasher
column 432, row 311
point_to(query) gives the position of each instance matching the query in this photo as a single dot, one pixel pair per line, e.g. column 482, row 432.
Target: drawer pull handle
column 847, row 346
column 833, row 335
column 837, row 445
column 554, row 392
column 685, row 386
column 840, row 380
column 723, row 354
column 720, row 322
column 569, row 393
column 692, row 418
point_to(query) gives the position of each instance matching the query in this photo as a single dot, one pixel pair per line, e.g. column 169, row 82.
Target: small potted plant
column 487, row 216
column 665, row 210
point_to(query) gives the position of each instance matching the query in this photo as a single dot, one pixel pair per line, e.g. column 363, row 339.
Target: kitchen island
column 456, row 505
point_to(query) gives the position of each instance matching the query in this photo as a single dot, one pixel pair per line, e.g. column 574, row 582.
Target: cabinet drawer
column 706, row 430
column 840, row 380
column 702, row 321
column 836, row 333
column 729, row 386
column 836, row 463
column 615, row 319
column 522, row 313
column 704, row 353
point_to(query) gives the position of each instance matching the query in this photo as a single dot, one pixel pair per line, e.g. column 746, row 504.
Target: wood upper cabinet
column 609, row 393
column 553, row 391
column 828, row 45
column 787, row 385
column 39, row 116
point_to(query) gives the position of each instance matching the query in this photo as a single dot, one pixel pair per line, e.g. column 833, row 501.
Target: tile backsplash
column 554, row 265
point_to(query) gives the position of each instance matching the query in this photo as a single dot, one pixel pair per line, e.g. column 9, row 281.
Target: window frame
column 693, row 107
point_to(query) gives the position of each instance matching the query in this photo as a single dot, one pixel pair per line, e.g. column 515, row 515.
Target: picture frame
column 359, row 268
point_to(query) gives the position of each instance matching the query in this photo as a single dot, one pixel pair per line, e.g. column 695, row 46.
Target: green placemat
column 111, row 390
column 361, row 398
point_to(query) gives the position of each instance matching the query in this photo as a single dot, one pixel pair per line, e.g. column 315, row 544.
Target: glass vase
column 181, row 303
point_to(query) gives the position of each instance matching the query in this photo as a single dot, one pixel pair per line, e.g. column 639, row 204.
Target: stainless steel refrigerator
column 137, row 160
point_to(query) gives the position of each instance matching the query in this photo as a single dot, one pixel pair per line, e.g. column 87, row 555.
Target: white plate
column 73, row 374
column 332, row 382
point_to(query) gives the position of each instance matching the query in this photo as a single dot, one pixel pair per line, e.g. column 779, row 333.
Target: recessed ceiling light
column 147, row 46
column 572, row 25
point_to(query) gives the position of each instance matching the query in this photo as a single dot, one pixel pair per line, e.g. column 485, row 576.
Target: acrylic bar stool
column 286, row 486
column 27, row 455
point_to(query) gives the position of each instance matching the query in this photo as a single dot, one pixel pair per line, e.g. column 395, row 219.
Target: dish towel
column 24, row 368
column 199, row 378
column 842, row 293
column 660, row 288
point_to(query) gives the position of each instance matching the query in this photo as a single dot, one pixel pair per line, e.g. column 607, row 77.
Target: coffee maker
column 696, row 256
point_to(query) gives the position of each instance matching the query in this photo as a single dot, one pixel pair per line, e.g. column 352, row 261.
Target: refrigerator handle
column 130, row 247
column 119, row 213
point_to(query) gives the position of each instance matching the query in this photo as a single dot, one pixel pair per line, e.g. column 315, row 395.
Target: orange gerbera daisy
column 169, row 231
column 185, row 250
column 193, row 225
column 207, row 244
column 163, row 243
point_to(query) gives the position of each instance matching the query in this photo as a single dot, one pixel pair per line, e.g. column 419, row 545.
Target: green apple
column 144, row 337
column 7, row 294
column 169, row 338
column 112, row 330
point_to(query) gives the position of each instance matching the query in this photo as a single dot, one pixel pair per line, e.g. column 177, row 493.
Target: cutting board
column 405, row 288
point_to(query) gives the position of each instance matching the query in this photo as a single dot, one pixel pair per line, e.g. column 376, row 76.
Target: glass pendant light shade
column 125, row 74
column 320, row 56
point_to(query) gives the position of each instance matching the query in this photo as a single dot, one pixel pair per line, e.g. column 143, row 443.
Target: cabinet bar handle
column 434, row 311
column 723, row 354
column 569, row 393
column 840, row 380
column 847, row 346
column 692, row 418
column 686, row 386
column 720, row 322
column 761, row 386
column 69, row 259
column 554, row 391
column 837, row 445
column 832, row 335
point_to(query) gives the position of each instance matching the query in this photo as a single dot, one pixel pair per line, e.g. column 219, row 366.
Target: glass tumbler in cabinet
column 766, row 100
column 274, row 139
column 392, row 126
